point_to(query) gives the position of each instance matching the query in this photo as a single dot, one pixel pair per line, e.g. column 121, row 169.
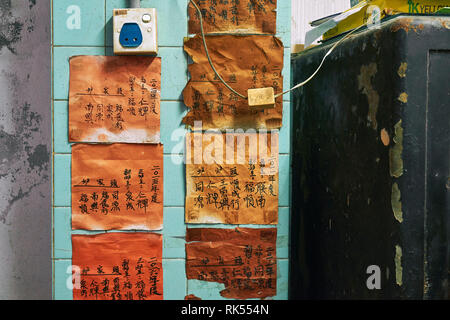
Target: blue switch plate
column 130, row 35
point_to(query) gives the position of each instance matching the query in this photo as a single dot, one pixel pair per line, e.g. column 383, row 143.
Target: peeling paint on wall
column 395, row 154
column 385, row 137
column 396, row 203
column 403, row 97
column 365, row 84
column 402, row 70
column 398, row 265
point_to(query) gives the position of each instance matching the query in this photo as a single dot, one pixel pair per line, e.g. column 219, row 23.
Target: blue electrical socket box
column 135, row 31
column 130, row 35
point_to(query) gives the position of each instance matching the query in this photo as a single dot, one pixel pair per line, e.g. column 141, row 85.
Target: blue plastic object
column 130, row 35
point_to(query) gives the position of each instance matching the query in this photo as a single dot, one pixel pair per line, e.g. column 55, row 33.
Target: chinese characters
column 243, row 259
column 240, row 188
column 114, row 99
column 117, row 186
column 216, row 106
column 243, row 16
column 118, row 266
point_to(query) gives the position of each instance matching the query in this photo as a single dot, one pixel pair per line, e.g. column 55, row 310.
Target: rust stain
column 445, row 24
column 406, row 24
column 403, row 97
column 365, row 85
column 402, row 70
column 385, row 137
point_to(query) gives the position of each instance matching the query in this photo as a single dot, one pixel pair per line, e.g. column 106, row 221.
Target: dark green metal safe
column 371, row 164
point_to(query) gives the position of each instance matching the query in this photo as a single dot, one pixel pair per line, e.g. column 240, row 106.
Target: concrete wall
column 25, row 150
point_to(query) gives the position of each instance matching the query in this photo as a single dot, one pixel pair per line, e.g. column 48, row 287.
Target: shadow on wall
column 25, row 150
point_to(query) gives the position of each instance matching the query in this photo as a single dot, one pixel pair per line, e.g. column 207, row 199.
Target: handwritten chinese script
column 117, row 266
column 117, row 186
column 243, row 259
column 114, row 99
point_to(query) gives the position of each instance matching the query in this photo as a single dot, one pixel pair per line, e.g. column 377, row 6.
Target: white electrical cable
column 296, row 86
column 207, row 53
column 325, row 57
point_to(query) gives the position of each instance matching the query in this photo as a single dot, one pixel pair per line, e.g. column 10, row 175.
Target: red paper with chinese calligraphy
column 117, row 266
column 232, row 178
column 243, row 259
column 234, row 16
column 117, row 186
column 114, row 99
column 244, row 62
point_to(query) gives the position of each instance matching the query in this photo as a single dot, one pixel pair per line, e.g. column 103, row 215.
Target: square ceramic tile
column 287, row 73
column 173, row 73
column 284, row 180
column 174, row 181
column 285, row 131
column 282, row 279
column 174, row 233
column 62, row 233
column 283, row 232
column 62, row 271
column 174, row 277
column 60, row 127
column 173, row 132
column 61, row 180
column 284, row 22
column 79, row 22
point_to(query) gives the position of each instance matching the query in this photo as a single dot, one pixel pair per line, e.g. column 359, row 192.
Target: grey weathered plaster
column 25, row 150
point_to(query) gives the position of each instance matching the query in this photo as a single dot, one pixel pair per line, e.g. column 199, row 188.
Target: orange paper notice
column 118, row 186
column 114, row 99
column 243, row 259
column 232, row 178
column 240, row 16
column 117, row 266
column 244, row 62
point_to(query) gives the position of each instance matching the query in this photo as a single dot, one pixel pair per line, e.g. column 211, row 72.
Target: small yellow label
column 261, row 98
column 387, row 7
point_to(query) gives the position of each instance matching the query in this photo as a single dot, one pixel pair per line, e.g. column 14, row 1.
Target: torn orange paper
column 239, row 16
column 232, row 178
column 243, row 259
column 114, row 99
column 117, row 186
column 244, row 62
column 117, row 266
